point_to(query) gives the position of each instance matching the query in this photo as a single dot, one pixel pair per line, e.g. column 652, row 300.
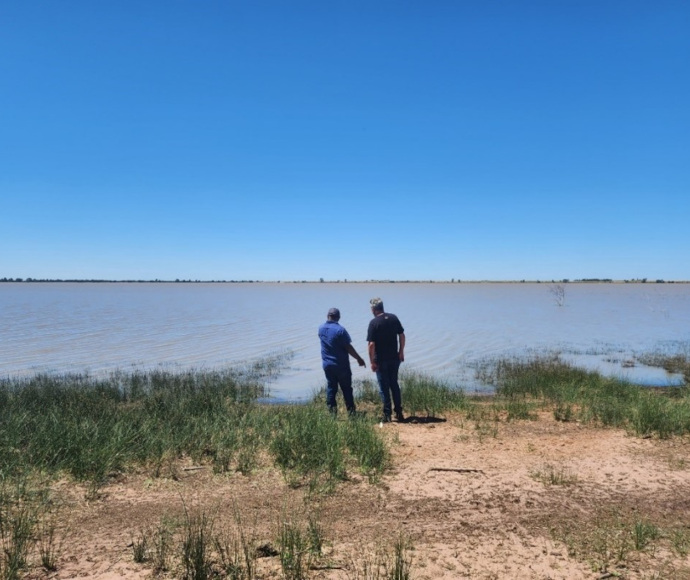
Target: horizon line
column 31, row 280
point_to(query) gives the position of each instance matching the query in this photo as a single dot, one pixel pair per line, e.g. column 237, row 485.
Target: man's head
column 333, row 314
column 376, row 305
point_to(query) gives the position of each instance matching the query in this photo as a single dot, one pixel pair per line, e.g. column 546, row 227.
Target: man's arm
column 401, row 352
column 372, row 356
column 351, row 350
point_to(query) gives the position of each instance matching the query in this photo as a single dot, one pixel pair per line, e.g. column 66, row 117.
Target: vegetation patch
column 578, row 395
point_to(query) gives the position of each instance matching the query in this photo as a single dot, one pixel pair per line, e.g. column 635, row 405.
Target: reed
column 90, row 427
column 678, row 362
column 367, row 391
column 422, row 393
column 589, row 397
column 27, row 525
column 197, row 544
column 294, row 549
column 308, row 443
column 387, row 560
column 366, row 446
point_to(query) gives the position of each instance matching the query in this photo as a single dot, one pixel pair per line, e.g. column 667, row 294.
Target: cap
column 333, row 313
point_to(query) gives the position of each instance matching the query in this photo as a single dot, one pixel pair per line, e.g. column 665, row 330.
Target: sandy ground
column 528, row 499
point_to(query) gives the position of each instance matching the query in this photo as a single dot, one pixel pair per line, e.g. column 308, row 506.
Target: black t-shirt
column 383, row 332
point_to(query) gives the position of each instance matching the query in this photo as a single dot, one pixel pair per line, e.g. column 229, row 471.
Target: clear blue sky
column 368, row 139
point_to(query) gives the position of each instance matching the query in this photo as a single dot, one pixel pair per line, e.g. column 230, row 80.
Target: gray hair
column 376, row 304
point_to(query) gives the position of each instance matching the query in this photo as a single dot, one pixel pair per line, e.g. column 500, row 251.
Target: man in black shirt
column 386, row 338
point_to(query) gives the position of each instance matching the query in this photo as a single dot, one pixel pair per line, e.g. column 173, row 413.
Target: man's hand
column 360, row 362
column 374, row 367
column 401, row 356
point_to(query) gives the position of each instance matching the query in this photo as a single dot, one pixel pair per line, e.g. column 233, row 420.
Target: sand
column 490, row 500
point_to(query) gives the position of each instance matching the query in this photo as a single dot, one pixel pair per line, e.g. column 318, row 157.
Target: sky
column 358, row 140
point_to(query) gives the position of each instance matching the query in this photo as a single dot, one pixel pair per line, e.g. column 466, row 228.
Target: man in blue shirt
column 336, row 345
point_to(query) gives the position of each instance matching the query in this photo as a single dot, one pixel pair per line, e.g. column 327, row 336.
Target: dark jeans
column 334, row 377
column 387, row 375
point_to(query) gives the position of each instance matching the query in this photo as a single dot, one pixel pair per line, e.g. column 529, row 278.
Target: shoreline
column 344, row 281
column 527, row 499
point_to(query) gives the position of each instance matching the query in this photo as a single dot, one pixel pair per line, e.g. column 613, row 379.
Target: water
column 66, row 327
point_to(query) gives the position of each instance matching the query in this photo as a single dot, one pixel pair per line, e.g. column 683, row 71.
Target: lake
column 450, row 328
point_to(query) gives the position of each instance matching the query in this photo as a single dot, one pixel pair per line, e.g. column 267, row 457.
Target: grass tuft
column 197, row 542
column 587, row 396
column 426, row 395
column 552, row 475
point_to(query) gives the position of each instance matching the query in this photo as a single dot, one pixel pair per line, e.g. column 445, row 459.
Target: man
column 386, row 338
column 336, row 345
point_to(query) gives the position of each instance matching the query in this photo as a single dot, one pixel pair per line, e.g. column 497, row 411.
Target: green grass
column 366, row 446
column 197, row 543
column 27, row 526
column 307, row 442
column 92, row 428
column 576, row 394
column 423, row 394
column 389, row 559
column 552, row 475
column 612, row 538
column 678, row 362
column 295, row 550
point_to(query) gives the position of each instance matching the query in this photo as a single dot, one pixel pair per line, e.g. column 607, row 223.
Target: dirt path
column 521, row 500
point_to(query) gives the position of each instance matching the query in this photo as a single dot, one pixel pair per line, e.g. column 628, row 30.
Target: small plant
column 196, row 547
column 680, row 539
column 678, row 463
column 295, row 551
column 18, row 518
column 564, row 412
column 237, row 559
column 367, row 446
column 316, row 535
column 308, row 444
column 485, row 429
column 384, row 562
column 401, row 564
column 162, row 540
column 604, row 542
column 643, row 534
column 366, row 391
column 425, row 394
column 236, row 551
column 48, row 547
column 519, row 409
column 555, row 476
column 249, row 442
column 140, row 548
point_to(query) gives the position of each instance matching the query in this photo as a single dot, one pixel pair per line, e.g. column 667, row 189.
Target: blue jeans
column 387, row 375
column 334, row 377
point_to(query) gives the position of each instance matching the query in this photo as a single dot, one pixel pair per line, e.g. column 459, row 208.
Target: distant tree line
column 100, row 281
column 321, row 280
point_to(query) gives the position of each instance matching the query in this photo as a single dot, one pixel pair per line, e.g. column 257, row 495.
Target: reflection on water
column 101, row 327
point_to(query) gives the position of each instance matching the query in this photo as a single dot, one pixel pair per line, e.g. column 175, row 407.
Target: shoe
column 386, row 419
column 399, row 417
